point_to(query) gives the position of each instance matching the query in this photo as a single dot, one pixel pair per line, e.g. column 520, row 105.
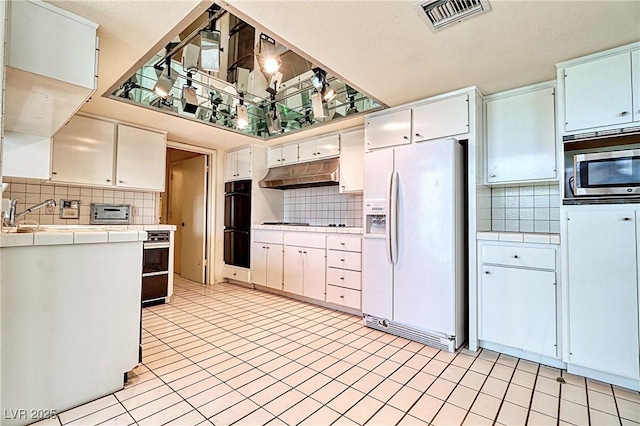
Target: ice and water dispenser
column 375, row 216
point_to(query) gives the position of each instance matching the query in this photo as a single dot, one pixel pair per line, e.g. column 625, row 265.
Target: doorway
column 187, row 205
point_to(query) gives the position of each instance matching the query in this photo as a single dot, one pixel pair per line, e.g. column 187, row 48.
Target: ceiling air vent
column 442, row 13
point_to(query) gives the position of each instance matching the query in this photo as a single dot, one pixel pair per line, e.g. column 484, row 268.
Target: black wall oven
column 237, row 223
column 155, row 268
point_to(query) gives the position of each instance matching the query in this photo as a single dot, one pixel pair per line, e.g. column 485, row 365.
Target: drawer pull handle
column 515, row 256
column 418, row 135
column 405, row 138
column 341, row 244
column 304, row 252
column 341, row 297
column 299, row 251
column 342, row 278
column 627, row 218
column 487, row 272
column 341, row 260
column 623, row 113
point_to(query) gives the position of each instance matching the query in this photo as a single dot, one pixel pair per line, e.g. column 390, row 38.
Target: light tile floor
column 225, row 354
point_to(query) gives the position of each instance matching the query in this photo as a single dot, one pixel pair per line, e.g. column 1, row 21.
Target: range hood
column 303, row 175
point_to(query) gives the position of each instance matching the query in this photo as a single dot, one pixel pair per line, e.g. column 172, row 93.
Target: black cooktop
column 286, row 223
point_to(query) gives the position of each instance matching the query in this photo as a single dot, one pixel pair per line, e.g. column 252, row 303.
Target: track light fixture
column 210, row 50
column 319, row 81
column 267, row 55
column 189, row 97
column 242, row 114
column 320, row 108
column 165, row 81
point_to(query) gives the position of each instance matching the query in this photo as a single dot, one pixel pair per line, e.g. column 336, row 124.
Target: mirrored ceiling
column 223, row 72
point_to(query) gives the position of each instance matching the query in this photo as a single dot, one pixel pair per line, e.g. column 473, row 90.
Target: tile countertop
column 519, row 237
column 324, row 229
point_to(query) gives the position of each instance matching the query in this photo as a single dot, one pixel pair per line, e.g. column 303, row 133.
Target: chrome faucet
column 10, row 216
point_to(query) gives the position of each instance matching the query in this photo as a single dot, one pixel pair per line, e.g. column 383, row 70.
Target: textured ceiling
column 384, row 48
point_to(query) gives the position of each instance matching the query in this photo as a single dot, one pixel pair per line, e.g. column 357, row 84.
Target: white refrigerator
column 414, row 248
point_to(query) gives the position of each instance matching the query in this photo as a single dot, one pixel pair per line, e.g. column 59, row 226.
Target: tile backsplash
column 31, row 191
column 322, row 206
column 526, row 208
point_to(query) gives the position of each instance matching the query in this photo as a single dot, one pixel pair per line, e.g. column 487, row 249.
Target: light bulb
column 242, row 120
column 271, row 66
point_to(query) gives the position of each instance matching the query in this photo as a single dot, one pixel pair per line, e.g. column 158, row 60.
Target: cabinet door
column 328, row 146
column 274, row 157
column 314, row 273
column 603, row 291
column 443, row 118
column 259, row 263
column 83, row 152
column 352, row 161
column 521, row 142
column 598, row 93
column 635, row 82
column 307, row 151
column 274, row 266
column 290, row 154
column 133, row 145
column 26, row 156
column 388, row 129
column 243, row 170
column 230, row 165
column 293, row 269
column 518, row 308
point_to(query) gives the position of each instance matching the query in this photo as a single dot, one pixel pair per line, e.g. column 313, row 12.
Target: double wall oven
column 237, row 223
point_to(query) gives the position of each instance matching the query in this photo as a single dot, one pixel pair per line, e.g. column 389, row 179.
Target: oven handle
column 152, row 245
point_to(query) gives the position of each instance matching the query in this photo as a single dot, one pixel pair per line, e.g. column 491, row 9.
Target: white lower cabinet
column 344, row 270
column 519, row 308
column 518, row 297
column 304, row 264
column 267, row 259
column 235, row 273
column 603, row 290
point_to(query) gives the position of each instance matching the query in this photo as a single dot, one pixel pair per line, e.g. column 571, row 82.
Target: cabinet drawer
column 344, row 259
column 343, row 242
column 304, row 239
column 236, row 274
column 269, row 237
column 343, row 296
column 344, row 278
column 513, row 255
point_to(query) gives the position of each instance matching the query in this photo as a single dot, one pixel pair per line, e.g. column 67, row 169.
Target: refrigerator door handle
column 394, row 218
column 388, row 219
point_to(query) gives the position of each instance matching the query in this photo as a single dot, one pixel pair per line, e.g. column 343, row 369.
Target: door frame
column 212, row 156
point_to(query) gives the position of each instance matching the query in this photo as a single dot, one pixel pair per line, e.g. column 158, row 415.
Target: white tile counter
column 520, row 237
column 323, row 229
column 67, row 236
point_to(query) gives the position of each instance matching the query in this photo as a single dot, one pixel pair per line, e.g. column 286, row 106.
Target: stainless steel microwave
column 606, row 173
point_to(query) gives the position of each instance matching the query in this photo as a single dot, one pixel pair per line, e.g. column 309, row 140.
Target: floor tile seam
column 176, row 392
column 477, row 394
column 513, row 372
column 94, row 412
column 533, row 392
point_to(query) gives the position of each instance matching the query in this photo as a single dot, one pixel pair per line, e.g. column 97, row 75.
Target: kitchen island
column 70, row 317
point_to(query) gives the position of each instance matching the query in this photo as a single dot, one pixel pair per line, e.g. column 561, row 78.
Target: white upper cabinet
column 274, row 157
column 599, row 93
column 26, row 156
column 238, row 164
column 282, row 155
column 83, row 152
column 389, row 129
column 442, row 118
column 322, row 147
column 521, row 143
column 635, row 82
column 135, row 144
column 51, row 66
column 87, row 152
column 352, row 161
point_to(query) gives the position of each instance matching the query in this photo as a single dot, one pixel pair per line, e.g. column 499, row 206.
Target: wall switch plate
column 69, row 209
